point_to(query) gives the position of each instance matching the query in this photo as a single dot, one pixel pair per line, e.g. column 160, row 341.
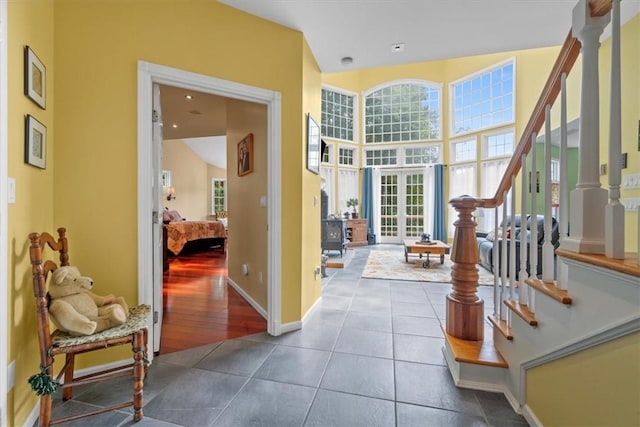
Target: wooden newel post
column 465, row 310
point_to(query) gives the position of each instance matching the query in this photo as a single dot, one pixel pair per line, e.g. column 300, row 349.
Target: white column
column 547, row 246
column 563, row 216
column 512, row 242
column 503, row 257
column 614, row 212
column 588, row 200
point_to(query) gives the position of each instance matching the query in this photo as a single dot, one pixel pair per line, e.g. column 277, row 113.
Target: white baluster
column 547, row 246
column 503, row 256
column 533, row 220
column 522, row 275
column 563, row 210
column 497, row 288
column 614, row 212
column 512, row 242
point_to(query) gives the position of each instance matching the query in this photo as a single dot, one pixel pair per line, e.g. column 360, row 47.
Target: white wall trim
column 148, row 74
column 531, row 418
column 4, row 289
column 253, row 303
column 612, row 332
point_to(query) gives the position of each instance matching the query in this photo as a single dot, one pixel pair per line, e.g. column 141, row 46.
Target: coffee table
column 436, row 247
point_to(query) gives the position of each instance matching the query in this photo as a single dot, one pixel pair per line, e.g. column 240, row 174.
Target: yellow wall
column 247, row 223
column 188, row 179
column 310, row 284
column 29, row 23
column 596, row 387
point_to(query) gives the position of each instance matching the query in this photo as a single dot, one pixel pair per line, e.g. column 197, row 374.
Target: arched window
column 402, row 112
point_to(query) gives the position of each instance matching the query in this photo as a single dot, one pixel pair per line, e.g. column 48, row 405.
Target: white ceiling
column 430, row 29
column 366, row 30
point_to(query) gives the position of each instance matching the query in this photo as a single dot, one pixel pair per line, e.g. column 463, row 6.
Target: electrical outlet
column 260, row 277
column 11, row 375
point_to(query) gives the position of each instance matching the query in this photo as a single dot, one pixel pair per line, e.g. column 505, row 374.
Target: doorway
column 401, row 209
column 150, row 290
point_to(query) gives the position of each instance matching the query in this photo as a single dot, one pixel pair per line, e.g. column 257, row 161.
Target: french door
column 401, row 208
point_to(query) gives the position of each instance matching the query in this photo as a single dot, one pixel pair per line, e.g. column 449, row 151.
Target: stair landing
column 476, row 352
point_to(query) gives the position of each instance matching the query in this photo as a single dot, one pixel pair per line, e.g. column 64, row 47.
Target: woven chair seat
column 138, row 319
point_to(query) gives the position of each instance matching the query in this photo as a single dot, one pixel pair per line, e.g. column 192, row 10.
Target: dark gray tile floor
column 370, row 354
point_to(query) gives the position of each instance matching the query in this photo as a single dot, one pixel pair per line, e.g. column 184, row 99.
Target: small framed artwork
column 35, row 78
column 245, row 155
column 313, row 145
column 35, row 150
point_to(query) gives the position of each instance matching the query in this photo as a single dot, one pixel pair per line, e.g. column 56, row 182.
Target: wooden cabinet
column 357, row 232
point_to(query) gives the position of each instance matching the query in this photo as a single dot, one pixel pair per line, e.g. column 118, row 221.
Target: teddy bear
column 78, row 311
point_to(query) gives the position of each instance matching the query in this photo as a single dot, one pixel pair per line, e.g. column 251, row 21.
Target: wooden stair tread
column 501, row 326
column 628, row 265
column 551, row 290
column 475, row 352
column 522, row 310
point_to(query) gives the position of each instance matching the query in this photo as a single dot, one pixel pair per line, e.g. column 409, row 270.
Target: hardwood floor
column 200, row 307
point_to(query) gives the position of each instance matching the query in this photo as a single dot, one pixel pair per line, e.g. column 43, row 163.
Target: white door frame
column 148, row 74
column 402, row 174
column 4, row 290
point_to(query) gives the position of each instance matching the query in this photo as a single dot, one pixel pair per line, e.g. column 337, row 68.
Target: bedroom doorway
column 149, row 178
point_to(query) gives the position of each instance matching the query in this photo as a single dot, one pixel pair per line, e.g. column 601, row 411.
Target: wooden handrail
column 564, row 63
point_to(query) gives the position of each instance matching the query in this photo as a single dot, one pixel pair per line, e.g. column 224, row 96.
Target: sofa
column 485, row 243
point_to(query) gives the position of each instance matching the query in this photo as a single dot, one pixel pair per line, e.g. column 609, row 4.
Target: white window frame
column 469, row 78
column 452, row 151
column 213, row 194
column 354, row 155
column 330, row 153
column 378, row 148
column 356, row 107
column 403, row 159
column 433, row 85
column 484, row 138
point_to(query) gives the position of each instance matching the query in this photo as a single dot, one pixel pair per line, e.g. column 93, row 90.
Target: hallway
column 370, row 354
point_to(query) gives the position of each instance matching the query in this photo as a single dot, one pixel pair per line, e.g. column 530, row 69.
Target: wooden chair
column 133, row 332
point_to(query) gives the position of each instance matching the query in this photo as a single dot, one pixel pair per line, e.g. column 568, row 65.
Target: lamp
column 170, row 193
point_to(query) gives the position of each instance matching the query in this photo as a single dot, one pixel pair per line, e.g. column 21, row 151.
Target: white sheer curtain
column 329, row 187
column 462, row 180
column 491, row 173
column 429, row 198
column 347, row 187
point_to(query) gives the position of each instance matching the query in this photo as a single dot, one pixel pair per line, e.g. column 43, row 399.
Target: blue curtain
column 367, row 196
column 439, row 226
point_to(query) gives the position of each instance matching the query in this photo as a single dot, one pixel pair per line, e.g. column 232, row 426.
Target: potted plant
column 353, row 203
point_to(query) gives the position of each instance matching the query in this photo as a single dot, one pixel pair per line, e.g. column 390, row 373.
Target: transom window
column 484, row 100
column 383, row 157
column 408, row 111
column 498, row 145
column 345, row 156
column 337, row 114
column 422, row 155
column 463, row 151
column 327, row 155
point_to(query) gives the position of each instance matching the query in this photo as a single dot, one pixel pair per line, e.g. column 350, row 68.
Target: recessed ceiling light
column 175, row 126
column 189, row 97
column 347, row 60
column 397, row 47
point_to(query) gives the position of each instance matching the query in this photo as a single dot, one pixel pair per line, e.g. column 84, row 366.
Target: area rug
column 391, row 265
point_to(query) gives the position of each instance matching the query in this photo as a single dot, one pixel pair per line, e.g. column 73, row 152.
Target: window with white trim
column 403, row 112
column 382, row 157
column 462, row 181
column 328, row 186
column 483, row 100
column 347, row 188
column 327, row 156
column 337, row 114
column 424, row 155
column 463, row 151
column 498, row 145
column 346, row 156
column 218, row 195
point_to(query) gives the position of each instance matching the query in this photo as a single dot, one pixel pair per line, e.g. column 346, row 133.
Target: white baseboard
column 248, row 298
column 531, row 418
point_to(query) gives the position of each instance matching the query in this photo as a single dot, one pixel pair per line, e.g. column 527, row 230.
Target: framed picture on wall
column 35, row 78
column 313, row 145
column 35, row 150
column 245, row 155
